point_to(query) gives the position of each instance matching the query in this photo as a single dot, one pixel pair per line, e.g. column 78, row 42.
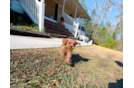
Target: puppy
column 66, row 49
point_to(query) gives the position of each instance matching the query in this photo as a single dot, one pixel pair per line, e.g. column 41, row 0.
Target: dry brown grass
column 95, row 67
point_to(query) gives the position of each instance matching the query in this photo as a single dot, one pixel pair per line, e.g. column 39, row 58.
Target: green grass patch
column 32, row 27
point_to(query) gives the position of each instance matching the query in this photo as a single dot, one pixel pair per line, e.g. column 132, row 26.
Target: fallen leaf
column 37, row 61
column 94, row 64
column 60, row 64
column 56, row 59
column 21, row 73
column 16, row 62
column 74, row 65
column 81, row 74
column 46, row 62
column 59, row 80
column 117, row 73
column 52, row 83
column 52, row 71
column 69, row 68
column 118, row 78
column 59, row 54
column 78, row 80
column 62, row 59
column 11, row 67
column 39, row 83
column 87, row 79
column 71, row 73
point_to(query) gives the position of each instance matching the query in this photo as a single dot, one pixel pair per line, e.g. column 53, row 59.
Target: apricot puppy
column 66, row 49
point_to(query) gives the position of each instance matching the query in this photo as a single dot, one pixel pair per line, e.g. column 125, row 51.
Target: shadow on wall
column 76, row 58
column 119, row 63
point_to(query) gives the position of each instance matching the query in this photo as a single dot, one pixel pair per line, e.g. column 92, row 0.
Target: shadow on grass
column 122, row 83
column 119, row 63
column 76, row 58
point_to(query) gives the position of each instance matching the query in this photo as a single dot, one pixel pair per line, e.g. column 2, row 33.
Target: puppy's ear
column 64, row 41
column 77, row 43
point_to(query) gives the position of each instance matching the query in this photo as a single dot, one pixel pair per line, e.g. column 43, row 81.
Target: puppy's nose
column 71, row 46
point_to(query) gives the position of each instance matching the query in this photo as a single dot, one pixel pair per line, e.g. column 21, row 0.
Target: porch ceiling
column 70, row 7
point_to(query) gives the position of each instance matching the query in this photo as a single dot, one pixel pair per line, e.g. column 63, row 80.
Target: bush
column 19, row 19
column 23, row 22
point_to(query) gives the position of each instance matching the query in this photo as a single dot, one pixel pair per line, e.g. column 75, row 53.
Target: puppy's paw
column 78, row 43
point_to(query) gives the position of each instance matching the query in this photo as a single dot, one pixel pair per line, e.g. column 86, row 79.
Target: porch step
column 58, row 32
column 53, row 24
column 61, row 36
column 55, row 28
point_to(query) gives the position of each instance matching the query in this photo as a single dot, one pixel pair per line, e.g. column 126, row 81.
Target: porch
column 52, row 10
column 70, row 10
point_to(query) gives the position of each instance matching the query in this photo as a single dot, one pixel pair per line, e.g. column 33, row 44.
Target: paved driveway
column 24, row 42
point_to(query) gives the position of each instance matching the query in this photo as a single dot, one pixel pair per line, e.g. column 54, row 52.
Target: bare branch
column 99, row 11
column 96, row 3
column 104, row 11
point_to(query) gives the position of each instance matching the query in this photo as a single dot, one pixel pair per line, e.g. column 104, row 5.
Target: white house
column 41, row 10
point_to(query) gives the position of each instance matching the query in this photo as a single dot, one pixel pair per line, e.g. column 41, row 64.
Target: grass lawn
column 95, row 67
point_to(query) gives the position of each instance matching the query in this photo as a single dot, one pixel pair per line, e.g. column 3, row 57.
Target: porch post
column 75, row 13
column 63, row 7
column 87, row 24
column 76, row 29
column 41, row 14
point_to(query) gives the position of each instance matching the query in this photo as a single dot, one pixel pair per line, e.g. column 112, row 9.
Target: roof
column 70, row 7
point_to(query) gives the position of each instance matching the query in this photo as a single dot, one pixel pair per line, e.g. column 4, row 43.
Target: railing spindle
column 32, row 8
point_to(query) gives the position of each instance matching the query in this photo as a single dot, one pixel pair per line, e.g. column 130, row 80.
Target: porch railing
column 31, row 7
column 68, row 23
column 35, row 10
column 72, row 25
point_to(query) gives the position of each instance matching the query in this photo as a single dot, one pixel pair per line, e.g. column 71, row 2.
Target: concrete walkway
column 24, row 42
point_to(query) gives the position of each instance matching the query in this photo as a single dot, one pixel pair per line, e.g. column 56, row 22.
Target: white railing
column 72, row 25
column 35, row 10
column 67, row 19
column 50, row 19
column 31, row 7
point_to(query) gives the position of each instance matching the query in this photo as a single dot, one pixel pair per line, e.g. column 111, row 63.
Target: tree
column 104, row 32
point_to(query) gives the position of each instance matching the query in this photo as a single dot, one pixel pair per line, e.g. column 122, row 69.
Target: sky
column 91, row 5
